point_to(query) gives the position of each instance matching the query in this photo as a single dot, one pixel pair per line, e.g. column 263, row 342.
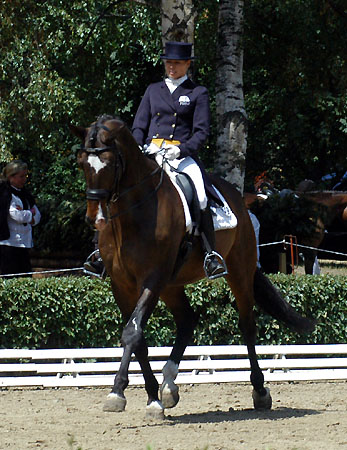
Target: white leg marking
column 170, row 371
column 114, row 403
column 134, row 323
column 169, row 391
column 155, row 410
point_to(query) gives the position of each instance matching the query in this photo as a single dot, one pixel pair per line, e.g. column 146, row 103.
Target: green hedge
column 72, row 312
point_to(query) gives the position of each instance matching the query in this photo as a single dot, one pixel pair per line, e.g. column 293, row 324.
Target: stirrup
column 90, row 259
column 209, row 256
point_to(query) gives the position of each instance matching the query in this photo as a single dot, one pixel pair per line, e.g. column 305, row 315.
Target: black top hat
column 177, row 50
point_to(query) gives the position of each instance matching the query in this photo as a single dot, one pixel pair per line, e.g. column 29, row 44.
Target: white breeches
column 190, row 167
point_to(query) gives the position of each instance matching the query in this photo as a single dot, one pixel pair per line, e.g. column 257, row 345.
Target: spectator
column 18, row 214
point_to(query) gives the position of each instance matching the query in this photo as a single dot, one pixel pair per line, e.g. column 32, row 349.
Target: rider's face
column 176, row 68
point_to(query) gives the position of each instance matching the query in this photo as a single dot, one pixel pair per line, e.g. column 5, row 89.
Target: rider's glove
column 172, row 152
column 151, row 149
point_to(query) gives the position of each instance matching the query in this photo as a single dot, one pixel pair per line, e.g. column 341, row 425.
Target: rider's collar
column 173, row 83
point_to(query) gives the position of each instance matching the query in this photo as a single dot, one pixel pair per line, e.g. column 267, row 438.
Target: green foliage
column 295, row 88
column 70, row 312
column 70, row 61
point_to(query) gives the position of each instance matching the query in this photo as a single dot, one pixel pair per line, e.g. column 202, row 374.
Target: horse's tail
column 271, row 301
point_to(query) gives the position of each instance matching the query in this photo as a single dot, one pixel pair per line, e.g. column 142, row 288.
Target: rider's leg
column 213, row 262
column 214, row 265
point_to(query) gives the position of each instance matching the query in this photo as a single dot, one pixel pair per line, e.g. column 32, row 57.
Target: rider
column 172, row 122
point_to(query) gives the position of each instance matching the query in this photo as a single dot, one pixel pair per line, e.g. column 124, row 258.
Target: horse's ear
column 80, row 132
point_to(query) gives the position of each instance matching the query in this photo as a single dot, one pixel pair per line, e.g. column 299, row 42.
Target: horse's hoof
column 155, row 410
column 169, row 395
column 262, row 401
column 114, row 403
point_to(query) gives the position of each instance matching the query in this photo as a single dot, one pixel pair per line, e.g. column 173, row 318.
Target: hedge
column 68, row 312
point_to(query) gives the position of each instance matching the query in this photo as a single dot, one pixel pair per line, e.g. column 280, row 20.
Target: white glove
column 172, row 152
column 152, row 149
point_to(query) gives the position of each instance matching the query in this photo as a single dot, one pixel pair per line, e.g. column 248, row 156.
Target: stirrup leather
column 209, row 256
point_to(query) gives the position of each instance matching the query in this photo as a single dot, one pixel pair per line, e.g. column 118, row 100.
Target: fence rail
column 200, row 364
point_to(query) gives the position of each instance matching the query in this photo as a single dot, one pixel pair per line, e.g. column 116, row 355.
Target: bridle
column 113, row 195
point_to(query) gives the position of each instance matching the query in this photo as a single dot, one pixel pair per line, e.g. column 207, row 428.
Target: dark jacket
column 5, row 200
column 183, row 116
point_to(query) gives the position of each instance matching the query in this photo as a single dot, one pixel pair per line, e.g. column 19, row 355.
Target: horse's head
column 101, row 161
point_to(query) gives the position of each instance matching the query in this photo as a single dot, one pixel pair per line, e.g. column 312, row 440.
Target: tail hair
column 269, row 298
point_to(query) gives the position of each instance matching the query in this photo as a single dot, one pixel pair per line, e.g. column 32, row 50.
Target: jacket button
column 173, row 125
column 171, row 136
column 158, row 114
column 175, row 114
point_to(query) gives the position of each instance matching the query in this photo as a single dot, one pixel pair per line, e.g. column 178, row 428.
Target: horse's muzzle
column 96, row 215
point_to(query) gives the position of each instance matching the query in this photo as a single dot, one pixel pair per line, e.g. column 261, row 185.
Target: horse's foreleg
column 154, row 406
column 134, row 342
column 186, row 320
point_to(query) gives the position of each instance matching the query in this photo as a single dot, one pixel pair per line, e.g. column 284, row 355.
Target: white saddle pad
column 223, row 217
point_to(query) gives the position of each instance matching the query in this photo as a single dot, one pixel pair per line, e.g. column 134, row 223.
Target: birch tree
column 230, row 108
column 177, row 20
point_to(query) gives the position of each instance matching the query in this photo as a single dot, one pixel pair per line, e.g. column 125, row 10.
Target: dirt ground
column 305, row 415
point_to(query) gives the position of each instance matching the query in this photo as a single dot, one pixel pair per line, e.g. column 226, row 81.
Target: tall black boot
column 214, row 264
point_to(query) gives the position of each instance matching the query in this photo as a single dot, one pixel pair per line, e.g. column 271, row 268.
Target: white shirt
column 20, row 234
column 173, row 83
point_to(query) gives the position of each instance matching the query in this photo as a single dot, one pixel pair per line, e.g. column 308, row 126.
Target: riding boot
column 214, row 264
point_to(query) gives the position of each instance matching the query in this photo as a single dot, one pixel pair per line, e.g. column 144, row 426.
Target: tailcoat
column 182, row 116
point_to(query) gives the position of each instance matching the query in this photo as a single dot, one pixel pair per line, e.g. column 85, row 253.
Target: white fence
column 200, row 364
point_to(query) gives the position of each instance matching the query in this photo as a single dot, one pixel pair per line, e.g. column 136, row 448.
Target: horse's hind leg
column 186, row 320
column 242, row 287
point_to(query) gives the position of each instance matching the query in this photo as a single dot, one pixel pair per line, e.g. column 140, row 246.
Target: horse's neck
column 137, row 168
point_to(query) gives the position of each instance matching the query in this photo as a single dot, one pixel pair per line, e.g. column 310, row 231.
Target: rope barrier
column 44, row 271
column 273, row 243
column 284, row 242
column 303, row 246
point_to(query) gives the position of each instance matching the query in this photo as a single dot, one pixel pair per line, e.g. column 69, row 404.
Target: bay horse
column 141, row 223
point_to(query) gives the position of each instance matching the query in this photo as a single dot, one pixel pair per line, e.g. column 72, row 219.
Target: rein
column 141, row 202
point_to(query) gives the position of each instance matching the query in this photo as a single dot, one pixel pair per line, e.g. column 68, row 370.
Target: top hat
column 177, row 50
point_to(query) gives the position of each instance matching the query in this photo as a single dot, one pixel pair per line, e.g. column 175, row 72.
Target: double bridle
column 113, row 195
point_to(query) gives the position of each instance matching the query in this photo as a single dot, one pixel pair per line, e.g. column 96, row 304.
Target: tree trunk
column 231, row 113
column 177, row 20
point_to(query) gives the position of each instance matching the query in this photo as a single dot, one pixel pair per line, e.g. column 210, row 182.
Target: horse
column 335, row 205
column 141, row 223
column 327, row 211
